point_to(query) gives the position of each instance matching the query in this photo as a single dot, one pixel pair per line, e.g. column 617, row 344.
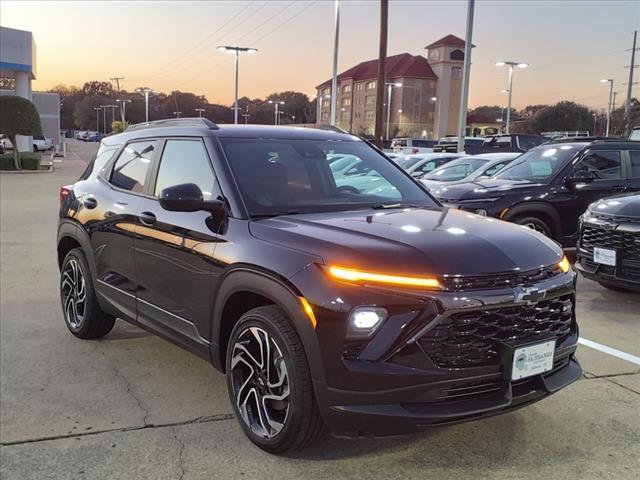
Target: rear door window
column 131, row 170
column 635, row 163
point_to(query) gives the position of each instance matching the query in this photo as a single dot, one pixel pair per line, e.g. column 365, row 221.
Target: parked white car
column 6, row 143
column 409, row 146
column 42, row 143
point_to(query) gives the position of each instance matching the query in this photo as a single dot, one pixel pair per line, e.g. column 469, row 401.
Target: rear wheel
column 35, row 148
column 534, row 223
column 269, row 382
column 82, row 314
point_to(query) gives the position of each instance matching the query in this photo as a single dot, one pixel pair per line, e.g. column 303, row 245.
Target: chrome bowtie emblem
column 530, row 295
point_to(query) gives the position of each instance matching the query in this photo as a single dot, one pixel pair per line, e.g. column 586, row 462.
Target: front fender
column 245, row 279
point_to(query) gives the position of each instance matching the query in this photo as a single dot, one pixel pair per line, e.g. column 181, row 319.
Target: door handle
column 90, row 203
column 620, row 188
column 147, row 218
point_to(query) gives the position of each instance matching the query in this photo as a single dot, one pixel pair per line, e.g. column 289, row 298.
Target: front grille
column 500, row 280
column 626, row 242
column 477, row 338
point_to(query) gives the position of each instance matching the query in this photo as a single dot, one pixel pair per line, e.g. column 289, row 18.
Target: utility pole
column 334, row 81
column 627, row 105
column 97, row 109
column 117, row 80
column 462, row 120
column 610, row 82
column 382, row 57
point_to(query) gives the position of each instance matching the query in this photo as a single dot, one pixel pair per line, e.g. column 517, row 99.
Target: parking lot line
column 610, row 351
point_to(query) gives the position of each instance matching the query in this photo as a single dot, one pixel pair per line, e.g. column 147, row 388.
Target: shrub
column 29, row 161
column 18, row 116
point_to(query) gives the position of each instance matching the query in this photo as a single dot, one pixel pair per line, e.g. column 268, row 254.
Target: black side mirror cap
column 187, row 197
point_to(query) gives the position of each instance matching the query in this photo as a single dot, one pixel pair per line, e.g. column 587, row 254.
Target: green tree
column 562, row 116
column 118, row 126
column 18, row 116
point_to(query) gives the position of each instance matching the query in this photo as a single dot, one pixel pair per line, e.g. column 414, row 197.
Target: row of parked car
column 578, row 191
column 519, row 142
column 88, row 136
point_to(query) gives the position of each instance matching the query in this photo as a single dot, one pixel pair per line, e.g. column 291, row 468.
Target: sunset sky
column 570, row 45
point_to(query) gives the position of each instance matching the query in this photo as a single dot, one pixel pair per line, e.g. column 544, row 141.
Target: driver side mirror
column 187, row 197
column 417, row 174
column 581, row 176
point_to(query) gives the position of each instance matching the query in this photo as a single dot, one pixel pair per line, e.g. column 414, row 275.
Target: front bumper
column 394, row 384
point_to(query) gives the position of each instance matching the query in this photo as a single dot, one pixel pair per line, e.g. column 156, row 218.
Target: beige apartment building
column 425, row 93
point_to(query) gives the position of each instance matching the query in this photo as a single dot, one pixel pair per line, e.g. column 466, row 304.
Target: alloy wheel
column 74, row 294
column 260, row 382
column 537, row 227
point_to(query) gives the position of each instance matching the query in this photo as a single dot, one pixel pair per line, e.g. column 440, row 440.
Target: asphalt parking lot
column 133, row 406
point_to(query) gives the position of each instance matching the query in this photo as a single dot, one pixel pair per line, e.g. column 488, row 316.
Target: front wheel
column 269, row 382
column 534, row 223
column 82, row 314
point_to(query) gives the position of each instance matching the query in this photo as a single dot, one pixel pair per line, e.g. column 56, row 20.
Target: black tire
column 35, row 149
column 614, row 287
column 302, row 422
column 80, row 308
column 535, row 223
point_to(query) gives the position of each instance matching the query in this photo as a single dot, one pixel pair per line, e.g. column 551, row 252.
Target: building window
column 371, row 85
column 345, row 115
column 457, row 55
column 326, row 103
column 346, row 89
column 370, row 115
column 346, row 102
column 434, row 54
column 456, row 72
column 326, row 91
column 359, row 87
column 358, row 100
column 370, row 100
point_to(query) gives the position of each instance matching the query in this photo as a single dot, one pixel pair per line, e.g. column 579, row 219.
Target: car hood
column 627, row 205
column 480, row 189
column 417, row 241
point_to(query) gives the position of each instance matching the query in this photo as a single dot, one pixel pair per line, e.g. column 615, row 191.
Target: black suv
column 609, row 242
column 550, row 186
column 358, row 302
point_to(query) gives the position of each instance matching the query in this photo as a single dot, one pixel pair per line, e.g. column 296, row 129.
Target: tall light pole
column 595, row 123
column 200, row 111
column 177, row 114
column 97, row 109
column 123, row 109
column 237, row 51
column 466, row 70
column 112, row 115
column 610, row 82
column 276, row 103
column 246, row 118
column 627, row 105
column 104, row 117
column 334, row 80
column 390, row 85
column 146, row 91
column 510, row 90
column 437, row 117
column 320, row 102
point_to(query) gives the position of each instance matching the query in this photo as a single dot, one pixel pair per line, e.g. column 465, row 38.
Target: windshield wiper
column 275, row 214
column 383, row 206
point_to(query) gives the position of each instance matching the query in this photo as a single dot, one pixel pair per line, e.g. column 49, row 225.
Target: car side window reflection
column 604, row 165
column 131, row 168
column 186, row 161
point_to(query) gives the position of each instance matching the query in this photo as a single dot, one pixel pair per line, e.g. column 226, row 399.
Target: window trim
column 115, row 158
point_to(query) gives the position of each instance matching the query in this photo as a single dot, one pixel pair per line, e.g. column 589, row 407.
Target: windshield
column 540, row 164
column 408, row 162
column 278, row 177
column 456, row 170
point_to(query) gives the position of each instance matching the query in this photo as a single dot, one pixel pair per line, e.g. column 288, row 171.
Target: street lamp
column 177, row 114
column 510, row 89
column 104, row 117
column 200, row 111
column 595, row 123
column 123, row 109
column 276, row 103
column 610, row 81
column 97, row 109
column 237, row 51
column 390, row 85
column 436, row 121
column 146, row 91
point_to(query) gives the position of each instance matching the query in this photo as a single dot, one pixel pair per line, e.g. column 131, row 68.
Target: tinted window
column 130, row 170
column 290, row 176
column 495, row 168
column 423, row 143
column 186, row 161
column 105, row 153
column 603, row 165
column 408, row 162
column 635, row 163
column 457, row 169
column 527, row 143
column 540, row 164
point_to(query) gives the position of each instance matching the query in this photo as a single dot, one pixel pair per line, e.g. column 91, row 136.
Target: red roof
column 448, row 41
column 396, row 66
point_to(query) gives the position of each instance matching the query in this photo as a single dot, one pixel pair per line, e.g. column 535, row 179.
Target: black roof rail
column 170, row 122
column 330, row 128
